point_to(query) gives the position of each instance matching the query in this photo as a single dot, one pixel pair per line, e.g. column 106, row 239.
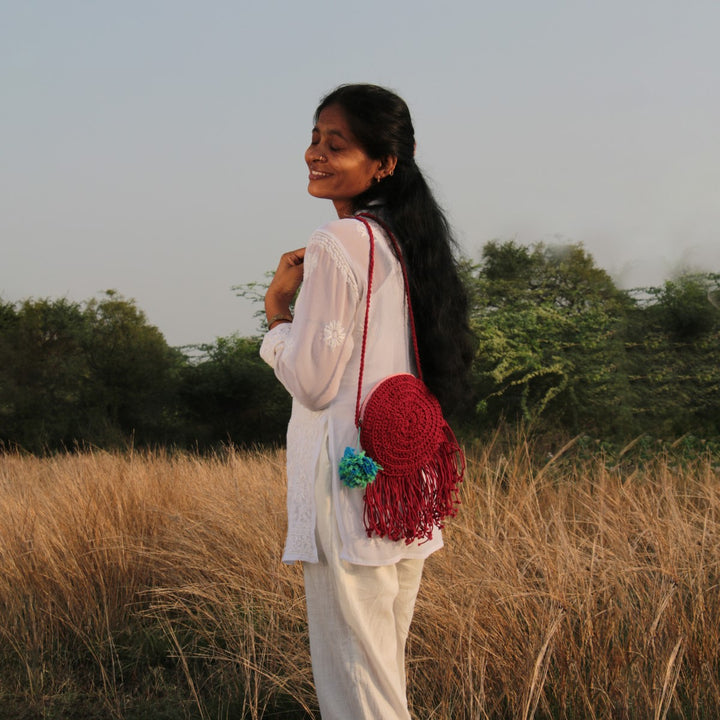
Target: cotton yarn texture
column 403, row 429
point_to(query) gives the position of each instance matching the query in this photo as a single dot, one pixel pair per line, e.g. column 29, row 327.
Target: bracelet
column 285, row 317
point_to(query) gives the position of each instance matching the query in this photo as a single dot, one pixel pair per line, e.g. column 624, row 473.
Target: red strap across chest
column 364, row 218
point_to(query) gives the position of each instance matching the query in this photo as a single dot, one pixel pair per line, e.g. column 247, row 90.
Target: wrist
column 277, row 318
column 277, row 304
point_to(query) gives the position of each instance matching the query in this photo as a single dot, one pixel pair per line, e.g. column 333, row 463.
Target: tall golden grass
column 151, row 583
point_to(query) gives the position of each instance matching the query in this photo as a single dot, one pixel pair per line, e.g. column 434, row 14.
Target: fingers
column 287, row 278
column 291, row 262
column 294, row 257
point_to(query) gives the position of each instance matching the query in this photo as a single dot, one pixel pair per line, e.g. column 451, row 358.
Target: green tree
column 685, row 305
column 44, row 375
column 549, row 324
column 135, row 373
column 84, row 373
column 673, row 345
column 230, row 394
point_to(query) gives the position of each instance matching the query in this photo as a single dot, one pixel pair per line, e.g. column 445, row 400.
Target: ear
column 387, row 167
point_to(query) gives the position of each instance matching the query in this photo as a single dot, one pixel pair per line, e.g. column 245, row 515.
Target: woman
column 360, row 590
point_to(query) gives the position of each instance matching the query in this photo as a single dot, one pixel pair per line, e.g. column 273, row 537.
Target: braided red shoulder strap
column 364, row 217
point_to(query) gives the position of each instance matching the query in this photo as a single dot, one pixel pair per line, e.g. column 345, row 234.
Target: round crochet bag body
column 403, row 430
column 411, row 464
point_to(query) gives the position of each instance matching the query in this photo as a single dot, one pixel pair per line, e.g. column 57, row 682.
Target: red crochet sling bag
column 411, row 464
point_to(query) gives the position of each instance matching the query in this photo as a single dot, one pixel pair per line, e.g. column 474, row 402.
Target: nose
column 314, row 155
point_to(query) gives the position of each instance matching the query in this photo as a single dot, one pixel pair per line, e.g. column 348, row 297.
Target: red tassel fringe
column 411, row 507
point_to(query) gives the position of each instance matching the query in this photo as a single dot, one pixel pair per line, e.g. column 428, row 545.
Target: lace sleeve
column 310, row 354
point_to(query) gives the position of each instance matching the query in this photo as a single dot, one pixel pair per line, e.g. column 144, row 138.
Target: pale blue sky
column 156, row 147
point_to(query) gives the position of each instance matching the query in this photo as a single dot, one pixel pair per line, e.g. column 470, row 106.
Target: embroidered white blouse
column 317, row 359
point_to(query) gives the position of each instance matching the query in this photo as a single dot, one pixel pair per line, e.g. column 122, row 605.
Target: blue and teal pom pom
column 357, row 469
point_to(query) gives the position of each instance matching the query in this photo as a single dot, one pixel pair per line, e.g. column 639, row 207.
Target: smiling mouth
column 317, row 175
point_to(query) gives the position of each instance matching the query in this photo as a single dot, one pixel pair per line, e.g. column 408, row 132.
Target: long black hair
column 381, row 123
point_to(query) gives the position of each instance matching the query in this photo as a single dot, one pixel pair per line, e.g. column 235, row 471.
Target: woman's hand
column 284, row 285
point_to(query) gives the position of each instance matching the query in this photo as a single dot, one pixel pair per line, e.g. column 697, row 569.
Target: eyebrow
column 337, row 133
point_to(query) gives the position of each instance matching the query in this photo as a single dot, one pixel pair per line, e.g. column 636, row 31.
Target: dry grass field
column 148, row 585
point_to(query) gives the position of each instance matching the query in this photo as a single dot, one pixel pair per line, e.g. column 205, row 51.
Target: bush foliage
column 560, row 345
column 560, row 348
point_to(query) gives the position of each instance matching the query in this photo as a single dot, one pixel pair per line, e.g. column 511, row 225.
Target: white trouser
column 359, row 617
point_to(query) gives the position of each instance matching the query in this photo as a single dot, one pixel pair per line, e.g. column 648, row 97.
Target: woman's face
column 339, row 168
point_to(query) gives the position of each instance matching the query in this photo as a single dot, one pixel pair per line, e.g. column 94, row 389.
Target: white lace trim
column 273, row 340
column 338, row 256
column 304, row 433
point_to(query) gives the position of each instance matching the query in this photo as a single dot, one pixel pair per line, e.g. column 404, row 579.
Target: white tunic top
column 317, row 358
